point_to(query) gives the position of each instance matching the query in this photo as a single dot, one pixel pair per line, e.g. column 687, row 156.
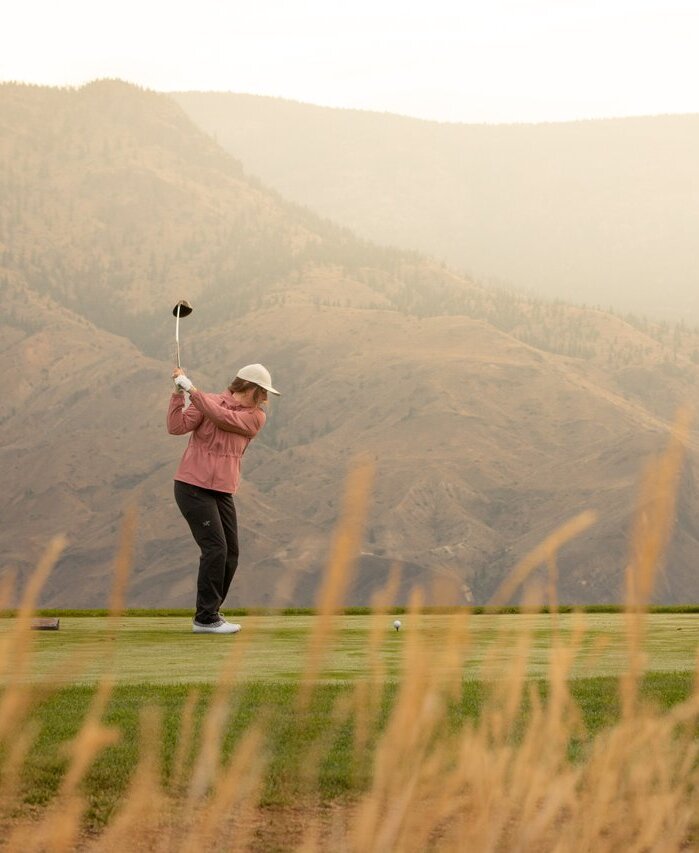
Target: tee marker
column 44, row 624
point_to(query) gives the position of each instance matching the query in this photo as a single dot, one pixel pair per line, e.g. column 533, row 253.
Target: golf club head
column 185, row 308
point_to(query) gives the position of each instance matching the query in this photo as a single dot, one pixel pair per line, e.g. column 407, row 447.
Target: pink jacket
column 221, row 430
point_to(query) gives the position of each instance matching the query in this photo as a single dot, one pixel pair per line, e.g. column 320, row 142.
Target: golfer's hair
column 242, row 385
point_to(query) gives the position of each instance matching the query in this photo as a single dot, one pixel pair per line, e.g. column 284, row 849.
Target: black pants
column 212, row 519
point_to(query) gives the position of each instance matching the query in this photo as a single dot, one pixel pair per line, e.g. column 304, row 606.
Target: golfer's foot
column 220, row 627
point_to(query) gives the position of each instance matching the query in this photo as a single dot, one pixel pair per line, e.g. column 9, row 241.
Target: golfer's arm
column 181, row 420
column 247, row 423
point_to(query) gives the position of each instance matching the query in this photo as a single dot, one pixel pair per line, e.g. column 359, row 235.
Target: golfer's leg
column 200, row 509
column 229, row 520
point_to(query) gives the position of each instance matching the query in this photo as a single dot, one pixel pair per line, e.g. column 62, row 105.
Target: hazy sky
column 494, row 60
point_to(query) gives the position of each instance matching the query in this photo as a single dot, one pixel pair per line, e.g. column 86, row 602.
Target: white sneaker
column 220, row 627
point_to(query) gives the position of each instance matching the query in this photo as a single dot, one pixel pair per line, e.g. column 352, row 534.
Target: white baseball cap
column 258, row 374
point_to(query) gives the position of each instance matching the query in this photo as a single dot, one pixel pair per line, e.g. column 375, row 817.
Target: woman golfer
column 222, row 426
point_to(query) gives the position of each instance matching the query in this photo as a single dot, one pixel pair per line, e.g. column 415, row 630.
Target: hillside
column 597, row 212
column 491, row 418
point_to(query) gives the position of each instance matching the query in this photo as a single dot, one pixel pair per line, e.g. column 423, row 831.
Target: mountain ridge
column 594, row 211
column 483, row 441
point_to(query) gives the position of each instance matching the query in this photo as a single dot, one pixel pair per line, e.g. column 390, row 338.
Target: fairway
column 162, row 650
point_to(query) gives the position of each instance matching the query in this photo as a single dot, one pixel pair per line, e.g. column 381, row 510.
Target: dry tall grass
column 503, row 782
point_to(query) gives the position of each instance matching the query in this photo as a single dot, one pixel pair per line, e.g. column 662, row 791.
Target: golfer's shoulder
column 254, row 418
column 253, row 415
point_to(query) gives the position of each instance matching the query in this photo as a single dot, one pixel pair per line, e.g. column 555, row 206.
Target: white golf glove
column 184, row 383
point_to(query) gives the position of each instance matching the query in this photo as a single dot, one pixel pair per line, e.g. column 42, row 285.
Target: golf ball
column 396, row 624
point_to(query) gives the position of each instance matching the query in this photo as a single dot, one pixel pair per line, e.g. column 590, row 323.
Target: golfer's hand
column 175, row 373
column 184, row 383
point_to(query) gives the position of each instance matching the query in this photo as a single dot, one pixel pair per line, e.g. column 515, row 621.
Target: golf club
column 182, row 309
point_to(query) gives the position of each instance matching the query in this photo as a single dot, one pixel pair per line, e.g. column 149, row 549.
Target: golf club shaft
column 177, row 335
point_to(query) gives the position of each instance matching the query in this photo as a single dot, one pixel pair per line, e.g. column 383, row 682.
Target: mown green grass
column 290, row 734
column 158, row 661
column 162, row 650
